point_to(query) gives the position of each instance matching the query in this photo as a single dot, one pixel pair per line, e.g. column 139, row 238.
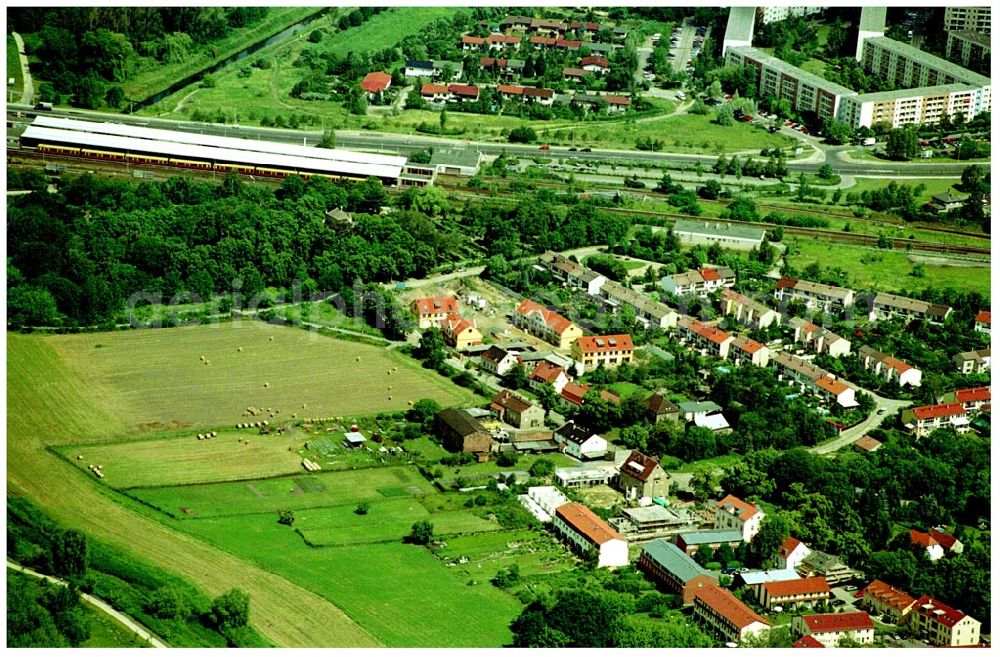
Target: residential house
column 545, row 324
column 832, row 391
column 595, row 64
column 460, row 432
column 941, row 625
column 501, row 42
column 586, row 475
column 973, row 362
column 473, row 42
column 701, row 282
column 691, row 411
column 733, row 513
column 460, row 333
column 727, row 235
column 431, row 311
column 866, row 444
column 708, row 340
column 519, row 23
column 642, row 476
column 813, row 379
column 547, row 26
column 944, row 203
column 819, row 339
column 547, row 374
column 574, row 74
column 972, row 400
column 792, row 552
column 517, row 411
column 435, row 93
column 889, row 368
column 983, row 321
column 884, row 599
column 376, row 82
column 716, row 423
column 540, row 96
column 498, row 361
column 926, row 542
column 807, row 641
column 568, row 44
column 419, row 68
column 747, row 311
column 794, row 592
column 572, row 394
column 647, row 311
column 573, row 273
column 922, row 420
column 542, row 501
column 617, row 103
column 725, row 616
column 620, row 33
column 463, row 93
column 660, row 409
column 749, row 352
column 886, row 306
column 500, row 66
column 670, row 567
column 607, row 350
column 950, row 544
column 540, row 42
column 814, row 295
column 580, row 442
column 713, row 538
column 828, row 566
column 589, row 534
column 829, row 629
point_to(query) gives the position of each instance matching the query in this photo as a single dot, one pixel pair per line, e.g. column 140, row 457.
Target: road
column 127, row 621
column 889, row 407
column 28, row 92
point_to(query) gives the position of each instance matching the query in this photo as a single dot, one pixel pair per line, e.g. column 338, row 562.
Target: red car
column 544, row 147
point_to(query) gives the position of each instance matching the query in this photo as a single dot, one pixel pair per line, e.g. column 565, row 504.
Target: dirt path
column 130, row 623
column 28, row 92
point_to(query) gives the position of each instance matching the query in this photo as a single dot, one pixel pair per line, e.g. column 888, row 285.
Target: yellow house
column 547, row 325
column 460, row 333
column 607, row 350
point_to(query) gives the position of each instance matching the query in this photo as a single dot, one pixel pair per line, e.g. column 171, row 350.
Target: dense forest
column 87, row 52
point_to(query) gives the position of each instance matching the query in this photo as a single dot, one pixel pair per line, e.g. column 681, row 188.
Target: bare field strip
column 198, row 377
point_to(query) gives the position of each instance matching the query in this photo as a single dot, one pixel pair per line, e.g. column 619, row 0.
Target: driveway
column 127, row 621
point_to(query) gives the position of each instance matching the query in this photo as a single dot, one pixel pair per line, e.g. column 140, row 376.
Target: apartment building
column 705, row 338
column 889, row 368
column 725, row 616
column 922, row 420
column 970, row 49
column 973, row 362
column 607, row 350
column 971, row 19
column 794, row 592
column 829, row 629
column 941, row 625
column 773, row 14
column 670, row 567
column 546, row 324
column 733, row 513
column 590, row 535
column 882, row 598
column 431, row 311
column 814, row 295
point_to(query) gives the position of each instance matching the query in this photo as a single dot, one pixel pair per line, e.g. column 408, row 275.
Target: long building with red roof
column 546, row 324
column 922, row 420
column 590, row 535
column 725, row 616
column 941, row 625
column 375, row 82
column 794, row 592
column 708, row 339
column 882, row 598
column 606, row 350
column 829, row 629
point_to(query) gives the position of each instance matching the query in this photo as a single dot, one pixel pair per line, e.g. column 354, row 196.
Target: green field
column 487, row 554
column 932, row 185
column 887, row 269
column 156, row 379
column 14, row 68
column 106, row 632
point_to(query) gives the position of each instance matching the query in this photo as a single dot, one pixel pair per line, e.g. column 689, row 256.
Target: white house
column 542, row 501
column 581, row 443
column 792, row 552
column 588, row 535
column 829, row 629
column 498, row 361
column 733, row 513
column 934, row 549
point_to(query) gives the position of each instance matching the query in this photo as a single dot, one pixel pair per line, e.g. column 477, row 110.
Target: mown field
column 14, row 68
column 158, row 379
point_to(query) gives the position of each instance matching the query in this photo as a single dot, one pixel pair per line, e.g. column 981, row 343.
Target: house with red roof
column 813, row 379
column 886, row 600
column 375, row 82
column 595, row 64
column 807, row 641
column 983, row 321
column 575, row 74
column 973, row 400
column 792, row 552
column 733, row 513
column 590, row 535
column 548, row 374
column 517, row 411
column 928, row 543
column 569, row 44
column 708, row 340
column 473, row 42
column 617, row 103
column 460, row 333
column 546, row 324
column 941, row 625
column 503, row 42
column 922, row 420
column 725, row 617
column 607, row 350
column 463, row 93
column 889, row 368
column 642, row 476
column 699, row 282
column 746, row 351
column 820, row 340
column 832, row 391
column 794, row 592
column 540, row 42
column 829, row 629
column 540, row 96
column 430, row 311
column 950, row 544
column 434, row 93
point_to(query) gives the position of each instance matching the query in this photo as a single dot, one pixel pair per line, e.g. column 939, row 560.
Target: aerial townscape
column 495, row 326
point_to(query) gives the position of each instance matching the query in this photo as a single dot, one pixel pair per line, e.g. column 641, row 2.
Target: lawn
column 932, row 185
column 206, row 376
column 14, row 68
column 534, row 553
column 106, row 632
column 723, row 461
column 887, row 270
column 625, row 388
column 814, row 66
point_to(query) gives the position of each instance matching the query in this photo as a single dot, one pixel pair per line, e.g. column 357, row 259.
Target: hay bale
column 240, row 349
column 79, row 457
column 214, row 434
column 201, row 358
column 267, row 385
column 271, row 339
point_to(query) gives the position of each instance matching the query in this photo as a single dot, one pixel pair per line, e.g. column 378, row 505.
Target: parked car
column 544, row 147
column 585, row 150
column 837, row 603
column 850, row 587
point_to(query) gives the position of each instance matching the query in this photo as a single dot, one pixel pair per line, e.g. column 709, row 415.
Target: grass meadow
column 14, row 67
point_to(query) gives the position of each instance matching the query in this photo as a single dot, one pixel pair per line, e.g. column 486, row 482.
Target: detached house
column 972, row 400
column 709, row 340
column 460, row 333
column 642, row 476
column 829, row 629
column 498, row 361
column 733, row 513
column 927, row 543
column 973, row 362
column 595, row 64
column 881, row 598
column 545, row 324
column 607, row 350
column 435, row 93
column 517, row 411
column 375, row 82
column 431, row 311
column 473, row 42
column 547, row 374
column 503, row 42
column 725, row 616
column 792, row 552
column 589, row 535
column 580, row 442
column 660, row 409
column 887, row 306
column 922, row 420
column 814, row 295
column 983, row 321
column 747, row 311
column 889, row 368
column 668, row 565
column 940, row 625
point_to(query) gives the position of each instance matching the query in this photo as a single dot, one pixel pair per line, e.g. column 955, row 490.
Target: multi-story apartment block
column 922, row 420
column 972, row 19
column 431, row 311
column 725, row 616
column 884, row 599
column 606, row 350
column 970, row 49
column 940, row 625
column 829, row 629
column 773, row 14
column 814, row 295
column 546, row 324
column 794, row 592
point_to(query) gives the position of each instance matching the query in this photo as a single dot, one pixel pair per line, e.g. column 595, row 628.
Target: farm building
column 517, row 411
column 354, row 439
column 668, row 565
column 460, row 432
column 589, row 534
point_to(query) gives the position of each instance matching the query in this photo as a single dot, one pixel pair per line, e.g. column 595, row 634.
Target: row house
column 548, row 374
column 983, row 321
column 517, row 411
column 507, row 67
column 690, row 542
column 451, row 93
column 539, row 25
column 725, row 617
column 542, row 501
column 884, row 599
column 435, row 93
column 941, row 625
column 973, row 362
column 526, row 94
column 580, row 442
column 460, row 333
column 746, row 351
column 431, row 311
column 501, row 42
column 819, row 339
column 546, row 324
column 829, row 629
column 701, row 282
column 813, row 379
column 673, row 570
column 733, row 513
column 588, row 27
column 573, row 273
column 972, row 400
column 922, row 420
column 707, row 339
column 794, row 592
column 888, row 306
column 889, row 368
column 814, row 295
column 498, row 361
column 473, row 42
column 590, row 535
column 746, row 311
column 607, row 350
column 647, row 311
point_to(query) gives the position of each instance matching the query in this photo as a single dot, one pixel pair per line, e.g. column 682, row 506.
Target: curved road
column 127, row 621
column 28, row 92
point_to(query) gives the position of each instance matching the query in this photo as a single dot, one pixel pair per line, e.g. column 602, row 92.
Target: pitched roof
column 788, row 546
column 937, row 611
column 660, row 405
column 574, row 72
column 464, row 90
column 896, row 364
column 574, row 392
column 575, row 433
column 455, row 324
column 376, row 81
column 435, row 305
column 474, row 40
column 460, row 421
column 510, row 89
column 852, row 620
column 889, row 595
column 546, row 372
column 503, row 38
column 553, row 320
column 639, row 466
column 808, row 641
column 737, row 507
column 568, row 43
column 747, row 344
column 922, row 539
column 534, row 92
column 947, row 541
column 598, row 344
column 708, row 536
column 509, row 400
column 709, row 274
column 430, row 88
column 607, row 395
column 673, row 559
column 967, row 395
column 594, row 60
column 831, row 386
column 983, row 316
column 710, row 333
column 494, row 354
column 813, row 288
column 867, row 443
column 618, row 100
column 938, row 410
column 804, row 586
column 587, row 523
column 544, row 41
column 728, row 606
column 764, row 576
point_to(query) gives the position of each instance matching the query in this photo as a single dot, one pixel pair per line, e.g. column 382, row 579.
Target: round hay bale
column 267, row 385
column 390, row 397
column 390, row 386
column 271, row 339
column 294, row 415
column 409, row 403
column 357, row 359
column 201, row 358
column 240, row 349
